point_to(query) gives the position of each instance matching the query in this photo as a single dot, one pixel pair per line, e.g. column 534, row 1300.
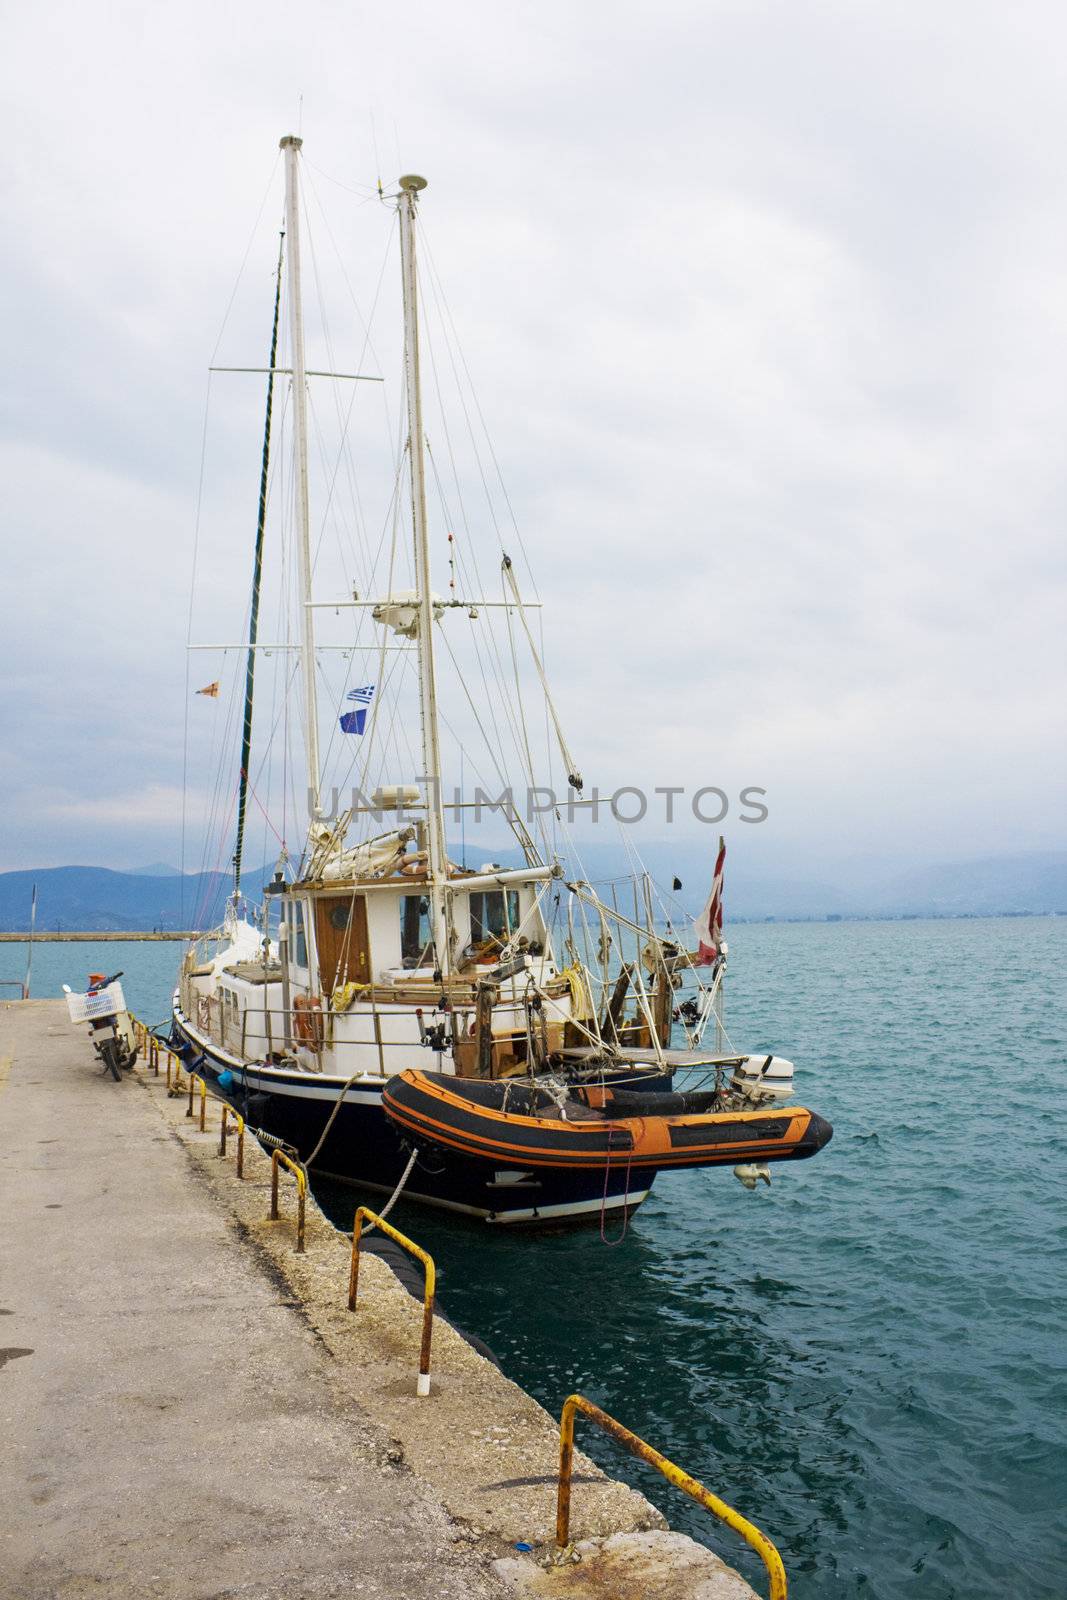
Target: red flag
column 709, row 923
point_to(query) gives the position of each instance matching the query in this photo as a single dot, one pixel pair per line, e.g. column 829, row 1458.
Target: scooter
column 103, row 1007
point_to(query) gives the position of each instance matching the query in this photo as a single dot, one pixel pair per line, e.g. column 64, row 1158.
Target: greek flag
column 356, row 721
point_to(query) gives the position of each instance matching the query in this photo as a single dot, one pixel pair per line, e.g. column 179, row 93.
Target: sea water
column 868, row 1359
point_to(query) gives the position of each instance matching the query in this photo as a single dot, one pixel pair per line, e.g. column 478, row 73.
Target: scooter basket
column 102, row 1003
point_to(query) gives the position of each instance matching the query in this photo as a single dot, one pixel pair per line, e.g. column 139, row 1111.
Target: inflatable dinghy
column 517, row 1122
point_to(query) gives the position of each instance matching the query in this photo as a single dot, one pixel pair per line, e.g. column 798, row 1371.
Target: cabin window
column 494, row 915
column 416, row 934
column 300, row 952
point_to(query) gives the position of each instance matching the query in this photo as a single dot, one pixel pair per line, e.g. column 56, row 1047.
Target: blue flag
column 354, row 721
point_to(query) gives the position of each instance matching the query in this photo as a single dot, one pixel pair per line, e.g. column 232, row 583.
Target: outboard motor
column 760, row 1075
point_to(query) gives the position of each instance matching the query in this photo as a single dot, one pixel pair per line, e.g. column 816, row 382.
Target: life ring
column 307, row 1020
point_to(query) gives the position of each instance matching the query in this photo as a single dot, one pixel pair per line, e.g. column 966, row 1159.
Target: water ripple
column 868, row 1358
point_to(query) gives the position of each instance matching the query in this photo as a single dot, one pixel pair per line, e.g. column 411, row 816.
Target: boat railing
column 422, row 1386
column 272, row 1033
column 276, row 1029
column 270, row 1029
column 759, row 1542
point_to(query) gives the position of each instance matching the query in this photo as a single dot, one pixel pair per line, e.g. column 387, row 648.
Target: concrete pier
column 189, row 1408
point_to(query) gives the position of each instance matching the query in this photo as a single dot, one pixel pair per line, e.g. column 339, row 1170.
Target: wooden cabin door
column 341, row 936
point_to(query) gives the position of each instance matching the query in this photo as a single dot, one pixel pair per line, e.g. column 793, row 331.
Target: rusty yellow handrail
column 681, row 1480
column 194, row 1079
column 173, row 1065
column 422, row 1386
column 228, row 1111
column 302, row 1186
column 142, row 1040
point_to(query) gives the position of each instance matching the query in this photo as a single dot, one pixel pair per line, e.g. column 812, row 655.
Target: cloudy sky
column 766, row 305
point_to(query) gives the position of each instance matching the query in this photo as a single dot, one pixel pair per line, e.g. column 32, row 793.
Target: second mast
column 291, row 146
column 437, row 853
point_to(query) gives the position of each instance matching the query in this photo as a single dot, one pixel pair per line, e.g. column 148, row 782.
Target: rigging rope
column 405, row 1175
column 574, row 777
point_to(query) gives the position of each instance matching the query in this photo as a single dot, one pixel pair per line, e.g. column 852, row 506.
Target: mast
column 291, row 145
column 437, row 856
column 257, row 575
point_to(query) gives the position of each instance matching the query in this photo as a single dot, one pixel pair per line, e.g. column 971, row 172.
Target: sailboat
column 497, row 1040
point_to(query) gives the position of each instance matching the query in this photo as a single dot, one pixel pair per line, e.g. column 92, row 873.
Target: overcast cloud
column 767, row 308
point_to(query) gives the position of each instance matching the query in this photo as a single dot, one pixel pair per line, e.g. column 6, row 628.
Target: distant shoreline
column 92, row 938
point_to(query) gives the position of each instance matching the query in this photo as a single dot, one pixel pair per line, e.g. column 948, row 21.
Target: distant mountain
column 991, row 886
column 155, row 869
column 97, row 899
column 750, row 895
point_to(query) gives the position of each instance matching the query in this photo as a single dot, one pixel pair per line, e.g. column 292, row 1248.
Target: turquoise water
column 869, row 1358
column 149, row 971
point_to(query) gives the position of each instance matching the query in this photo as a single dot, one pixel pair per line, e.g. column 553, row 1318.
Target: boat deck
column 672, row 1060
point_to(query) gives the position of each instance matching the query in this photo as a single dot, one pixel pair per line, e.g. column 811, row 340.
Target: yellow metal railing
column 423, row 1384
column 175, row 1081
column 228, row 1111
column 194, row 1079
column 280, row 1157
column 141, row 1037
column 150, row 1048
column 681, row 1480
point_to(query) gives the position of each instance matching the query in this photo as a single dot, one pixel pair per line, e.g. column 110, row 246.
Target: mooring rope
column 395, row 1196
column 330, row 1119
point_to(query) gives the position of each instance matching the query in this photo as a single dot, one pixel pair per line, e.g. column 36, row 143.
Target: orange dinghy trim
column 515, row 1123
